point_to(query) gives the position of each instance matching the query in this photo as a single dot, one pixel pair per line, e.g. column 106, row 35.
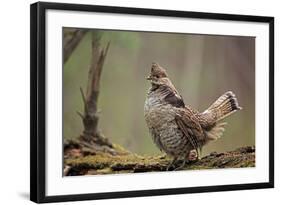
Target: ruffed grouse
column 177, row 129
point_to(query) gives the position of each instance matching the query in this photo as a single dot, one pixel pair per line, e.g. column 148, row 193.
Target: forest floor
column 83, row 162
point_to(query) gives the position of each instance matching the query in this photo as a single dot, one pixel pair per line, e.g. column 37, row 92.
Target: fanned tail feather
column 224, row 106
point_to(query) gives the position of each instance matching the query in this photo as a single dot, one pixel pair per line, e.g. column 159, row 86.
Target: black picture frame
column 38, row 100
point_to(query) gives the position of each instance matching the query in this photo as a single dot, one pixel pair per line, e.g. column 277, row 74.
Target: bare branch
column 91, row 135
column 80, row 114
column 84, row 100
column 71, row 40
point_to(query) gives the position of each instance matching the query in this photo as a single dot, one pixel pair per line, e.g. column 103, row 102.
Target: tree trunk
column 91, row 136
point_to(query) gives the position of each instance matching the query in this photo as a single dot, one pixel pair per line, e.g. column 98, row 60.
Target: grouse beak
column 149, row 78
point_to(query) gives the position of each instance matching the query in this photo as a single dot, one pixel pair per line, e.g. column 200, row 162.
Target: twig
column 71, row 42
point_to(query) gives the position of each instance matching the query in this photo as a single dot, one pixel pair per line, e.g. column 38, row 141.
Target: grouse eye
column 157, row 76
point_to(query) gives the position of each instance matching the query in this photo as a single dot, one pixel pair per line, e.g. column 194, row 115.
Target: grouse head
column 158, row 75
column 159, row 78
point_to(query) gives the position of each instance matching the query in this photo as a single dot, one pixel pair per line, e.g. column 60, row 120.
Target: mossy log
column 126, row 162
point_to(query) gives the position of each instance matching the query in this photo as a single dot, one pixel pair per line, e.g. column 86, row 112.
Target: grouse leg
column 171, row 164
column 181, row 166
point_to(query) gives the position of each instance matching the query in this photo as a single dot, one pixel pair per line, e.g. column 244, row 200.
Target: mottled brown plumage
column 175, row 127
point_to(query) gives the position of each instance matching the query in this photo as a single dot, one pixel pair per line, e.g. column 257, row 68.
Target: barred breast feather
column 171, row 133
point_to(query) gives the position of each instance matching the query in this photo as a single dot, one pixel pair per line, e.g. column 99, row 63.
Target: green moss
column 102, row 160
column 126, row 162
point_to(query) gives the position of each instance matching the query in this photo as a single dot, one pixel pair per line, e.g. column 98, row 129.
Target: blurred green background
column 202, row 67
